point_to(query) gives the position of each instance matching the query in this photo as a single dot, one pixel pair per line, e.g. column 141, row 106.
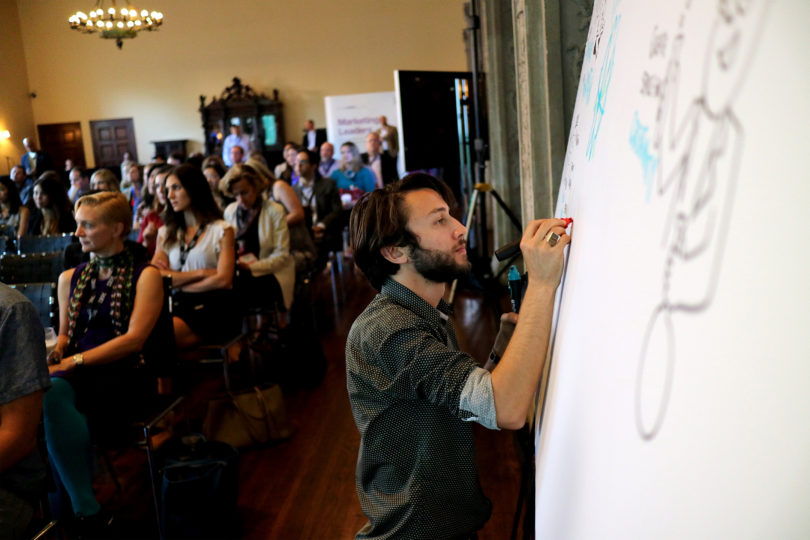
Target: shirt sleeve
column 478, row 399
column 23, row 367
column 415, row 364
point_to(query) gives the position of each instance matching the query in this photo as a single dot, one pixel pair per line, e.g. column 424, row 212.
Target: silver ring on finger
column 552, row 238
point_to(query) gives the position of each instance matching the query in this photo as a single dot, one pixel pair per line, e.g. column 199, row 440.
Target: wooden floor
column 304, row 488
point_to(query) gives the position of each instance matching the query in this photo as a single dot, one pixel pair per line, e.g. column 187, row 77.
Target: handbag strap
column 266, row 416
column 269, row 418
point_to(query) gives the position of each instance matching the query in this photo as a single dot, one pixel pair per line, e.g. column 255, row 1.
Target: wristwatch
column 78, row 360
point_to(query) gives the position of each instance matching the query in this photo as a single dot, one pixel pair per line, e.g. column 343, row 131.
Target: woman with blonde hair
column 352, row 174
column 302, row 247
column 105, row 180
column 107, row 310
column 266, row 271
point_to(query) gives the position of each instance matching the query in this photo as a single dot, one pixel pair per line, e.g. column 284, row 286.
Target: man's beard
column 438, row 266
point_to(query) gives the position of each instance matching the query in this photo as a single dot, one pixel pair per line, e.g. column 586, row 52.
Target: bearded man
column 413, row 392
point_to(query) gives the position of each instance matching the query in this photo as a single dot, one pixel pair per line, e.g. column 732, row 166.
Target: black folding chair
column 8, row 239
column 44, row 244
column 31, row 267
column 43, row 296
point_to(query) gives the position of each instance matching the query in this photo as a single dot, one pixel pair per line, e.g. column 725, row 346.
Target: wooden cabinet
column 259, row 116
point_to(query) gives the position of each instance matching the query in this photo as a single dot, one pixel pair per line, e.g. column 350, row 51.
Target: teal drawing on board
column 640, row 143
column 605, row 75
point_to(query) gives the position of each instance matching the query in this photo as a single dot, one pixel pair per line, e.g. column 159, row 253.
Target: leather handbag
column 252, row 417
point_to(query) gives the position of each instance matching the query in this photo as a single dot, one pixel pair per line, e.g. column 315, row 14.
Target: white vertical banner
column 349, row 118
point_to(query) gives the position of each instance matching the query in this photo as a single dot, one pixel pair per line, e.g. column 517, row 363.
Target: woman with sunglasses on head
column 195, row 247
column 107, row 310
column 266, row 270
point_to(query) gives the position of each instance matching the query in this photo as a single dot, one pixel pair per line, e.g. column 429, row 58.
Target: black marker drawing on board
column 699, row 154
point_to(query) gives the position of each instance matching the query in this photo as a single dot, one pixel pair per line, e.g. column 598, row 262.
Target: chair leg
column 147, row 434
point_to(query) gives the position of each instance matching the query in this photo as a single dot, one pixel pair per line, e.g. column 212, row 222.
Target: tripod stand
column 481, row 258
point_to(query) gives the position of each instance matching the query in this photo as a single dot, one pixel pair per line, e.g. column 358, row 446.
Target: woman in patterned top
column 107, row 310
column 196, row 248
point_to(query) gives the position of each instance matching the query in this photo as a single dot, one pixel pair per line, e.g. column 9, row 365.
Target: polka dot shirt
column 413, row 394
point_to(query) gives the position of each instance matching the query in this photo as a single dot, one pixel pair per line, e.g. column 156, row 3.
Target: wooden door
column 111, row 139
column 62, row 141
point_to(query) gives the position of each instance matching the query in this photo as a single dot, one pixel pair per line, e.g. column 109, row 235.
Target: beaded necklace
column 123, row 266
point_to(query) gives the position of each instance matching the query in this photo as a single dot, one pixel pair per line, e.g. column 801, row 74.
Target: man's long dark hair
column 379, row 220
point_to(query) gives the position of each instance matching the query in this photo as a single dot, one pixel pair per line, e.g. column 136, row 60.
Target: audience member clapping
column 196, row 248
column 53, row 213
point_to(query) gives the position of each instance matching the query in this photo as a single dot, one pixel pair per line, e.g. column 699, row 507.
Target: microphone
column 508, row 251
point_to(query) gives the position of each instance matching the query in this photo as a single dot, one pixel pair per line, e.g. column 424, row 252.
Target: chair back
column 31, row 267
column 43, row 296
column 8, row 239
column 43, row 244
column 159, row 353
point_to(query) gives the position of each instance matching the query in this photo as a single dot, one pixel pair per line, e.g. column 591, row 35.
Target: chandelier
column 116, row 24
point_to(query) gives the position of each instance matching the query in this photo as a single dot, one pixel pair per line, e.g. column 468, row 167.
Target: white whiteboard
column 678, row 400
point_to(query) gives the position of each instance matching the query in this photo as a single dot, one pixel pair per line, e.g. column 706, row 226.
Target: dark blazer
column 328, row 206
column 44, row 163
column 320, row 138
column 388, row 167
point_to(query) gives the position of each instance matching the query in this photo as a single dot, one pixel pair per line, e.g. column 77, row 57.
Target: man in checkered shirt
column 413, row 393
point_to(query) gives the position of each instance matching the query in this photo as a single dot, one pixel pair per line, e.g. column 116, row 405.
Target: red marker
column 568, row 221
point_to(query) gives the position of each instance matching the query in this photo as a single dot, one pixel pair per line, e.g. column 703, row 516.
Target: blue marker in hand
column 515, row 287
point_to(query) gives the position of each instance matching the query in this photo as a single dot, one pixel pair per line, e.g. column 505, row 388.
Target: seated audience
column 321, row 201
column 107, row 310
column 286, row 169
column 352, row 174
column 382, row 165
column 153, row 216
column 302, row 247
column 266, row 271
column 53, row 213
column 131, row 185
column 175, row 158
column 104, row 180
column 328, row 163
column 213, row 170
column 23, row 378
column 196, row 248
column 237, row 155
column 13, row 212
column 236, row 137
column 79, row 183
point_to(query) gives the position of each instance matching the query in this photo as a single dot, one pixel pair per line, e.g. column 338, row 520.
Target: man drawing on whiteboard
column 413, row 393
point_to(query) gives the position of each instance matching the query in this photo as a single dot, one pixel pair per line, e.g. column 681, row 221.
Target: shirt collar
column 407, row 298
